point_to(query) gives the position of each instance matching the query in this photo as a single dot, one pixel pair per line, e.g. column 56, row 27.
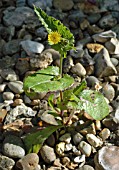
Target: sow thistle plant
column 52, row 80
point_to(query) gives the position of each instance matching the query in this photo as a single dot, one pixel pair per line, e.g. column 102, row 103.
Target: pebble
column 107, row 158
column 86, row 167
column 8, row 95
column 60, row 147
column 94, row 47
column 16, row 86
column 93, row 140
column 2, row 87
column 65, row 138
column 31, row 47
column 29, row 161
column 42, row 4
column 78, row 69
column 77, row 138
column 104, row 134
column 6, row 163
column 47, row 154
column 107, row 21
column 13, row 147
column 114, row 61
column 80, row 159
column 85, row 148
column 11, row 47
column 112, row 46
column 103, row 64
column 68, row 147
column 63, row 5
column 9, row 74
column 108, row 91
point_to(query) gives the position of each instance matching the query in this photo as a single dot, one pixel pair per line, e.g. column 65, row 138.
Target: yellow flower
column 54, row 38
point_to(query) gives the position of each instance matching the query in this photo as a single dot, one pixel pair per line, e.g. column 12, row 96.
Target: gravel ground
column 24, row 49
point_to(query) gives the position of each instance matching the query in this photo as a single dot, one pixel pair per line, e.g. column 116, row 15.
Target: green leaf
column 46, row 81
column 94, row 104
column 80, row 88
column 52, row 24
column 34, row 141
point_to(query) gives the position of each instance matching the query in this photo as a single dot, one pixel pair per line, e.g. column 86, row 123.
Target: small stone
column 16, row 86
column 80, row 159
column 107, row 158
column 17, row 102
column 48, row 118
column 104, row 134
column 77, row 138
column 41, row 4
column 8, row 96
column 112, row 46
column 65, row 138
column 51, row 140
column 86, row 167
column 103, row 64
column 47, row 154
column 6, row 163
column 2, row 87
column 108, row 91
column 85, row 148
column 65, row 160
column 114, row 61
column 79, row 70
column 68, row 147
column 60, row 147
column 107, row 21
column 104, row 36
column 13, row 147
column 93, row 140
column 76, row 151
column 63, row 5
column 94, row 47
column 32, row 47
column 29, row 161
column 9, row 74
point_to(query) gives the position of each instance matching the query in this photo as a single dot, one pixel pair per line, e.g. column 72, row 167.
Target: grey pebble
column 79, row 70
column 47, row 154
column 2, row 87
column 9, row 74
column 8, row 95
column 13, row 147
column 77, row 138
column 85, row 148
column 86, row 167
column 16, row 86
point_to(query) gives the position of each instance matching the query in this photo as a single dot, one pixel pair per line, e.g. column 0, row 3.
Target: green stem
column 60, row 70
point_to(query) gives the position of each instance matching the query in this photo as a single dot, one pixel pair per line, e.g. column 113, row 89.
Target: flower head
column 54, row 38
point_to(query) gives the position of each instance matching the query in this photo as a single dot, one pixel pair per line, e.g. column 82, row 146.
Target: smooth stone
column 65, row 138
column 20, row 3
column 31, row 47
column 7, row 62
column 29, row 161
column 79, row 159
column 63, row 5
column 104, row 134
column 104, row 36
column 1, row 80
column 107, row 158
column 48, row 118
column 114, row 61
column 77, row 138
column 79, row 70
column 76, row 151
column 6, row 163
column 107, row 21
column 108, row 91
column 47, row 154
column 78, row 53
column 93, row 140
column 13, row 147
column 16, row 86
column 103, row 64
column 16, row 16
column 41, row 32
column 92, row 81
column 22, row 66
column 51, row 140
column 86, row 167
column 112, row 46
column 2, row 87
column 55, row 54
column 9, row 75
column 85, row 148
column 8, row 95
column 41, row 61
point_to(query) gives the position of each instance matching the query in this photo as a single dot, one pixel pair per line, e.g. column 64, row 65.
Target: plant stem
column 60, row 70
